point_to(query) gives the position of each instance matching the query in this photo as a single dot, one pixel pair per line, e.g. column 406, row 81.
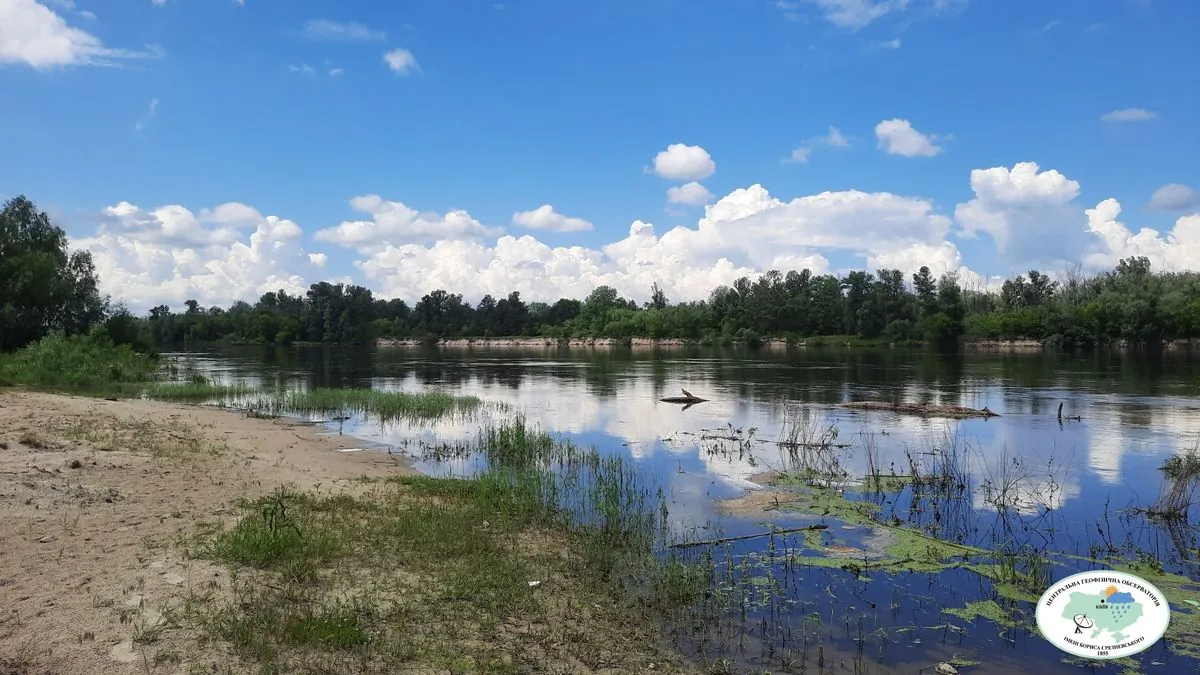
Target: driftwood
column 928, row 409
column 1068, row 417
column 712, row 542
column 688, row 398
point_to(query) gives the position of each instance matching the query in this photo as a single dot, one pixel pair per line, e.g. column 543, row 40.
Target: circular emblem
column 1103, row 614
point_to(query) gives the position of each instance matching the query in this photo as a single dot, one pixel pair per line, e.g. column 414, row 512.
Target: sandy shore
column 93, row 496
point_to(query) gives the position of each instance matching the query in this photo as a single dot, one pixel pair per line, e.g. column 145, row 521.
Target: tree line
column 43, row 289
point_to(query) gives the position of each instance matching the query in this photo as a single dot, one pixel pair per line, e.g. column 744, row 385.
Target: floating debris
column 688, row 398
column 927, row 409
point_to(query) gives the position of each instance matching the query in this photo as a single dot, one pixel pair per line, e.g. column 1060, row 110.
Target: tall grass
column 89, row 363
column 385, row 406
column 616, row 517
column 197, row 390
column 1181, row 475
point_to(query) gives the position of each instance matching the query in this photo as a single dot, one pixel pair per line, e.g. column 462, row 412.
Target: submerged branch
column 929, row 409
column 724, row 540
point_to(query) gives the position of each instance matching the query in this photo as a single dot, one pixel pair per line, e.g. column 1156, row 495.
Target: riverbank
column 655, row 343
column 144, row 536
column 827, row 341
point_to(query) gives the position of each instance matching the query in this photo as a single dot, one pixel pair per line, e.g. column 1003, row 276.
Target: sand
column 94, row 498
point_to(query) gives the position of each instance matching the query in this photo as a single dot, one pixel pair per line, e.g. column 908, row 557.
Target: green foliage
column 43, row 286
column 44, row 289
column 197, row 391
column 89, row 362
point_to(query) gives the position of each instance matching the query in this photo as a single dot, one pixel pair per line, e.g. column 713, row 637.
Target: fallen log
column 712, row 542
column 927, row 409
column 688, row 398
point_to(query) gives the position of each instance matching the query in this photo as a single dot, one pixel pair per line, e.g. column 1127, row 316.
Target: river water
column 1069, row 487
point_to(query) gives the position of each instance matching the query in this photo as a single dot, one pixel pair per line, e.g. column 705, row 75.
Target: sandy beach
column 93, row 495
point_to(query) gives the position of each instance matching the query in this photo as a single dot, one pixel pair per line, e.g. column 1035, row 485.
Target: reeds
column 1181, row 476
column 198, row 390
column 384, row 406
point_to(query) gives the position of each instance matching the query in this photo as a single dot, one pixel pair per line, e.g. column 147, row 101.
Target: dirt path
column 93, row 495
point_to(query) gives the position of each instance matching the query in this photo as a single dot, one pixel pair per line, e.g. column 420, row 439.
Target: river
column 1031, row 481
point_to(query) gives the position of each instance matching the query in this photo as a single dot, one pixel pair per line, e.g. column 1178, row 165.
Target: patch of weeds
column 33, row 439
column 336, row 628
column 161, row 439
column 270, row 535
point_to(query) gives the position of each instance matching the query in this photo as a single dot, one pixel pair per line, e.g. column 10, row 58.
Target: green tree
column 926, row 290
column 43, row 286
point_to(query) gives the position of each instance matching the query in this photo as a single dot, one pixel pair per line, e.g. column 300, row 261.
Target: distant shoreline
column 772, row 343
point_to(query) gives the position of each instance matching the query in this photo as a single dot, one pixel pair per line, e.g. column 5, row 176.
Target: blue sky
column 292, row 110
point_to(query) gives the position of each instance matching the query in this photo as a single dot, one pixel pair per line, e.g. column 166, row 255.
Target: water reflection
column 1031, row 480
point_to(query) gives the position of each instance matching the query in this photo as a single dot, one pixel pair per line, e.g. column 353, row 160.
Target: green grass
column 90, row 364
column 380, row 405
column 417, row 572
column 197, row 390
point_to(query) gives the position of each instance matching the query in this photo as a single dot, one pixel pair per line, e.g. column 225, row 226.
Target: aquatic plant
column 1181, row 475
column 197, row 390
column 381, row 405
column 384, row 406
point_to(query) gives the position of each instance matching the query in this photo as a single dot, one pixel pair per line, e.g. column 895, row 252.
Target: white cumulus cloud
column 231, row 251
column 1028, row 212
column 898, row 137
column 1175, row 197
column 401, row 61
column 1179, row 250
column 745, row 233
column 169, row 255
column 394, row 223
column 546, row 218
column 684, row 162
column 1128, row 115
column 34, row 35
column 691, row 193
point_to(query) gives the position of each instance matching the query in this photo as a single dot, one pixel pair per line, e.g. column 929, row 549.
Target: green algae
column 992, row 611
column 1128, row 666
column 912, row 551
column 886, row 483
column 907, row 551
